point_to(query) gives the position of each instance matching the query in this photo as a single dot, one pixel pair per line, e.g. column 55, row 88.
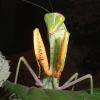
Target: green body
column 56, row 29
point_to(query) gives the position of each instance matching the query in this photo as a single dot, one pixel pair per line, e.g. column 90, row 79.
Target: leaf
column 34, row 93
column 4, row 69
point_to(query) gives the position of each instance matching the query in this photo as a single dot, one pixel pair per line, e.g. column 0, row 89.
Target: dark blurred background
column 18, row 19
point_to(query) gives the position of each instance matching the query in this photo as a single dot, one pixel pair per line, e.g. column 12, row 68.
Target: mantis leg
column 22, row 59
column 88, row 76
column 75, row 76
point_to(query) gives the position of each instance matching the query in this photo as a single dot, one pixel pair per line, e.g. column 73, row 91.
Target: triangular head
column 53, row 21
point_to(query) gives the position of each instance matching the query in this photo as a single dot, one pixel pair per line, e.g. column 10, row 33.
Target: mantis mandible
column 58, row 39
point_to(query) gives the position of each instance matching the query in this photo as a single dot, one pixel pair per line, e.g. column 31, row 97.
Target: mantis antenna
column 29, row 2
column 51, row 5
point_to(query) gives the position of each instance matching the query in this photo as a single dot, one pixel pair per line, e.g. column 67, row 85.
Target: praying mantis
column 58, row 38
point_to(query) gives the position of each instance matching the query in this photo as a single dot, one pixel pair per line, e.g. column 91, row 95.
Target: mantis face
column 53, row 21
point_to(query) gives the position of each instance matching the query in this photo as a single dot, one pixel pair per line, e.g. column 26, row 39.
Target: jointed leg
column 73, row 87
column 75, row 76
column 22, row 59
column 66, row 85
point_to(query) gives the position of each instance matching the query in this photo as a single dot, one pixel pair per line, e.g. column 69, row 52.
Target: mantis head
column 53, row 21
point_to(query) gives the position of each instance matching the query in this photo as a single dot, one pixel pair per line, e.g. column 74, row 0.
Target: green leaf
column 26, row 93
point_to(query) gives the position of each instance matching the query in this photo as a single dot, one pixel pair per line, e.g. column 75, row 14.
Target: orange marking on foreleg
column 40, row 52
column 61, row 57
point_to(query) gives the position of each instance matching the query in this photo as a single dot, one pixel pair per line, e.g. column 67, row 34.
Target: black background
column 18, row 19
